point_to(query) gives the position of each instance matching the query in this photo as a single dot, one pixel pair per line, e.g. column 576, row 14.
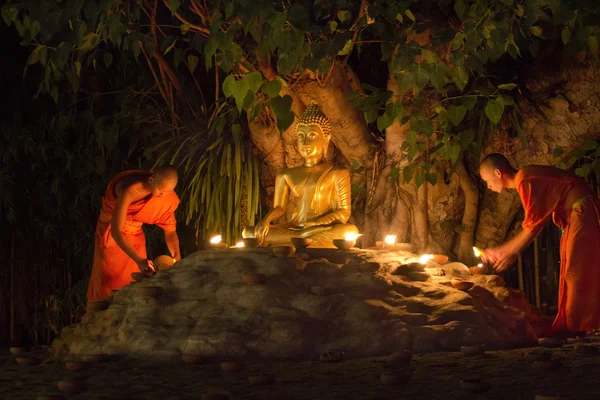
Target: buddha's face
column 310, row 141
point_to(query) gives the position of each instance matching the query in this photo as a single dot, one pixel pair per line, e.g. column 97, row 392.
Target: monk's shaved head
column 496, row 161
column 165, row 173
column 496, row 171
column 163, row 180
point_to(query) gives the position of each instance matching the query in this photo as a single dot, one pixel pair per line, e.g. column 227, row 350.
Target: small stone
column 262, row 379
column 151, row 291
column 333, row 356
column 461, row 284
column 582, row 348
column 394, row 378
column 536, row 355
column 550, row 365
column 369, row 267
column 319, row 290
column 232, row 366
column 473, row 350
column 551, row 342
column 254, row 279
column 97, row 306
column 475, row 386
column 192, row 358
column 71, row 386
column 27, row 361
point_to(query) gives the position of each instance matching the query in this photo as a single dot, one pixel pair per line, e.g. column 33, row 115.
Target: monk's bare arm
column 126, row 196
column 173, row 244
column 519, row 242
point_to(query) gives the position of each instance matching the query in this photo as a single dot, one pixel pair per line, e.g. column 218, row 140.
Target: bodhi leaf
column 456, row 114
column 494, row 110
column 282, row 109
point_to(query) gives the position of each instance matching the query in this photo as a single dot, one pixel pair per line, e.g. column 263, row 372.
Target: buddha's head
column 313, row 134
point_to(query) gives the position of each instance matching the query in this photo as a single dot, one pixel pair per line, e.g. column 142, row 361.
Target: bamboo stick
column 13, row 331
column 536, row 266
column 520, row 270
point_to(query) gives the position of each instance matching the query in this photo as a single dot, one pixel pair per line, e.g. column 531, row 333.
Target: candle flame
column 352, row 236
column 239, row 244
column 480, row 265
column 424, row 258
column 476, row 251
column 216, row 239
column 390, row 239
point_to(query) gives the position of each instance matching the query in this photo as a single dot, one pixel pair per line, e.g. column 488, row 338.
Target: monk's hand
column 261, row 230
column 500, row 256
column 146, row 266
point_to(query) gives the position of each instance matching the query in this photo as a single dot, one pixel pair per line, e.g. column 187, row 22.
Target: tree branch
column 198, row 28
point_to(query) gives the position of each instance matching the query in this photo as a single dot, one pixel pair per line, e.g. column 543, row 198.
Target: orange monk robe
column 547, row 191
column 112, row 267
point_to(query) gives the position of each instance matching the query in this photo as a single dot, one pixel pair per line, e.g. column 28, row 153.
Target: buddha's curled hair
column 315, row 116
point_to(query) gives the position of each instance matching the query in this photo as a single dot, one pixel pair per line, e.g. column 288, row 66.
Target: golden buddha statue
column 321, row 189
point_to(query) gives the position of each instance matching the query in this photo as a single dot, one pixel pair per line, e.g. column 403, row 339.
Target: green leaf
column 536, row 31
column 589, row 144
column 184, row 28
column 566, row 35
column 456, row 114
column 78, row 67
column 228, row 85
column 410, row 15
column 420, row 180
column 507, row 86
column 418, row 77
column 593, row 43
column 254, row 80
column 460, row 8
column 370, row 115
column 469, row 102
column 192, row 62
column 460, row 77
column 108, row 59
column 347, row 48
column 432, row 178
column 34, row 57
column 271, row 88
column 89, row 41
column 344, row 15
column 282, row 107
column 240, row 90
column 332, row 26
column 407, row 173
column 174, row 6
column 494, row 110
column 557, row 152
column 460, row 228
column 209, row 51
column 583, row 171
column 453, row 152
column 384, row 121
column 9, row 13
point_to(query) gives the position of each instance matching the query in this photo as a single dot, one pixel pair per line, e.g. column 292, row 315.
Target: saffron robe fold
column 548, row 191
column 112, row 268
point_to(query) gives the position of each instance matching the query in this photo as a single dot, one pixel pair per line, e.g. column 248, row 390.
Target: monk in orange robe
column 132, row 198
column 546, row 192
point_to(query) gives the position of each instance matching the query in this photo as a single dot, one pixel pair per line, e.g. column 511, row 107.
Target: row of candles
column 390, row 242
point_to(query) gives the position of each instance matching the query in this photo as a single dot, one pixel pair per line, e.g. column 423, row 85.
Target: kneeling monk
column 132, row 198
column 548, row 191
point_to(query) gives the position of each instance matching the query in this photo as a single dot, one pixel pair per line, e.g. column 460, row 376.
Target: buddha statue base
column 322, row 236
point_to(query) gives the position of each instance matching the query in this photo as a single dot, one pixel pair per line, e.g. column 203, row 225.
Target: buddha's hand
column 261, row 230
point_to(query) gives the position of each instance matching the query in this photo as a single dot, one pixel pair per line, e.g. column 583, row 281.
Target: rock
column 473, row 350
column 440, row 259
column 151, row 291
column 76, row 366
column 333, row 356
column 581, row 348
column 536, row 355
column 27, row 361
column 318, row 300
column 254, row 279
column 284, row 251
column 461, row 285
column 395, row 378
column 71, row 386
column 549, row 365
column 232, row 366
column 97, row 306
column 551, row 342
column 262, row 379
column 192, row 358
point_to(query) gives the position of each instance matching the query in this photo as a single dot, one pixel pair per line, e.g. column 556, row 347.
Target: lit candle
column 352, row 236
column 216, row 242
column 424, row 258
column 240, row 244
column 480, row 265
column 477, row 252
column 390, row 240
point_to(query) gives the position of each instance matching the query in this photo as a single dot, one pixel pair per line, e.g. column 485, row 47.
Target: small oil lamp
column 483, row 267
column 240, row 244
column 216, row 242
column 390, row 241
column 348, row 242
column 424, row 258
